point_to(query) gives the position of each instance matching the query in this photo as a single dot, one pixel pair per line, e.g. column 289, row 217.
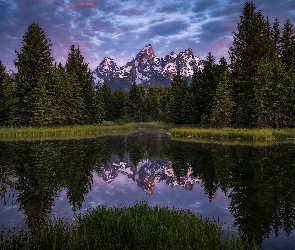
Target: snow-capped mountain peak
column 147, row 68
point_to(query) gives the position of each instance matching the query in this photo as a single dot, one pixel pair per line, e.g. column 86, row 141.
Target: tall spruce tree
column 252, row 42
column 179, row 88
column 120, row 103
column 75, row 65
column 35, row 68
column 222, row 109
column 276, row 38
column 271, row 90
column 136, row 102
column 288, row 45
column 203, row 86
column 69, row 99
column 3, row 79
column 107, row 99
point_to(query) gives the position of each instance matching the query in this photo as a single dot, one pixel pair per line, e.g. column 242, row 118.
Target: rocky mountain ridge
column 146, row 69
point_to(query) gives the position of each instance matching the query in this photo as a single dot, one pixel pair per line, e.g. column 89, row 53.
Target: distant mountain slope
column 147, row 69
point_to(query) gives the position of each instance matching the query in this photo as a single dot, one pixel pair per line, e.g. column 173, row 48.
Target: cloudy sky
column 121, row 28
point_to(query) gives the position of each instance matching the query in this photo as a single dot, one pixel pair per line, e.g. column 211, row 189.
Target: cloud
column 205, row 5
column 132, row 12
column 171, row 8
column 167, row 28
column 214, row 29
column 120, row 28
column 80, row 5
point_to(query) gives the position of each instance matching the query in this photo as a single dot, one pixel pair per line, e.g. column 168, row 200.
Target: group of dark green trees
column 257, row 88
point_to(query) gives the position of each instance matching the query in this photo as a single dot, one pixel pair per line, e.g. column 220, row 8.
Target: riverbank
column 74, row 132
column 137, row 227
column 189, row 132
column 234, row 134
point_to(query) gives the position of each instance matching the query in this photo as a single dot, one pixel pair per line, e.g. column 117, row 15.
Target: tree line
column 256, row 89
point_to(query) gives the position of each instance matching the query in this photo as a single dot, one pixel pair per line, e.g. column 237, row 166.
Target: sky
column 121, row 28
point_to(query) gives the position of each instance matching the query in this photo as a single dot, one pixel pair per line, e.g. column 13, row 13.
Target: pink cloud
column 83, row 5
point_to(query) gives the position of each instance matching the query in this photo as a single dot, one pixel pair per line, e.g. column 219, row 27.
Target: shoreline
column 192, row 133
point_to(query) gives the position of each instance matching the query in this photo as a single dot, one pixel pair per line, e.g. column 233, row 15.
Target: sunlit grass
column 237, row 134
column 70, row 132
column 137, row 227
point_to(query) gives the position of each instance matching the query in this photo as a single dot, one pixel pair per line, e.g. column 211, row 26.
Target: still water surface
column 251, row 190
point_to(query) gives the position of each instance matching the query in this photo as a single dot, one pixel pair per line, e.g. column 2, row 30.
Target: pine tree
column 288, row 45
column 187, row 112
column 204, row 85
column 75, row 65
column 251, row 43
column 120, row 104
column 153, row 103
column 179, row 88
column 107, row 99
column 271, row 95
column 222, row 109
column 99, row 113
column 35, row 68
column 3, row 80
column 276, row 38
column 69, row 99
column 136, row 102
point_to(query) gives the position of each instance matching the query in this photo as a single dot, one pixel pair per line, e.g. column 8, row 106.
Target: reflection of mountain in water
column 147, row 173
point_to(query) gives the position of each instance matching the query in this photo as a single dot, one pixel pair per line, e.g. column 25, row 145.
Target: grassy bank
column 137, row 227
column 71, row 132
column 88, row 131
column 237, row 134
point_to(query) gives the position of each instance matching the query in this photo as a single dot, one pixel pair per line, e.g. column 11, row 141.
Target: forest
column 255, row 89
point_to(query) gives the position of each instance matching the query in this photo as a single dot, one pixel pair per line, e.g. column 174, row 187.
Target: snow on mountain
column 147, row 69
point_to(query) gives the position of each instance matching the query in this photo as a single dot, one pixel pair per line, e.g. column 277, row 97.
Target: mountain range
column 146, row 69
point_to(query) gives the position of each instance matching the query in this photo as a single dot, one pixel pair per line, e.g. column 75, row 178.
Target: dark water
column 249, row 189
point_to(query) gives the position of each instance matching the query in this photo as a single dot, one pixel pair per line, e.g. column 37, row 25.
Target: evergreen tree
column 153, row 103
column 179, row 88
column 69, row 99
column 99, row 111
column 120, row 103
column 271, row 95
column 251, row 43
column 41, row 112
column 35, row 68
column 288, row 45
column 187, row 112
column 107, row 100
column 75, row 65
column 3, row 79
column 276, row 38
column 136, row 102
column 222, row 109
column 204, row 85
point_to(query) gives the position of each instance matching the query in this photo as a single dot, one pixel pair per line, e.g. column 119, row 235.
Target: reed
column 235, row 134
column 71, row 132
column 137, row 227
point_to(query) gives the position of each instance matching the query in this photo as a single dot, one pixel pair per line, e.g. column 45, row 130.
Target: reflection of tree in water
column 259, row 180
column 43, row 168
column 262, row 187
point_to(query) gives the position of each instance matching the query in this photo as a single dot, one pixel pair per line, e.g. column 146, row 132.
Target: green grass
column 137, row 227
column 237, row 134
column 71, row 132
